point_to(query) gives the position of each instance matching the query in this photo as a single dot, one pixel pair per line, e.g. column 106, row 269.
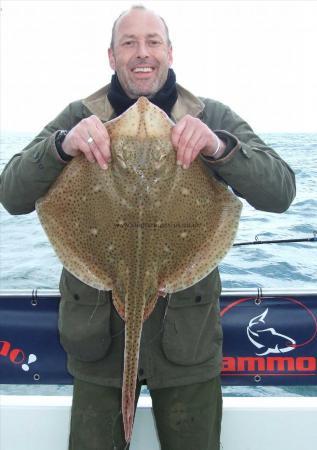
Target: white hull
column 249, row 423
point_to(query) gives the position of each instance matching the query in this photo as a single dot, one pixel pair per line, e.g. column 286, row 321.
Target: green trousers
column 187, row 417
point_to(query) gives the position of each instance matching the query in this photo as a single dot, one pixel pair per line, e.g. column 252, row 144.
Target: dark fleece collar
column 165, row 98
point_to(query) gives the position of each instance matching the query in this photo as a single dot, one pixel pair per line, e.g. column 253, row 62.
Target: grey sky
column 259, row 57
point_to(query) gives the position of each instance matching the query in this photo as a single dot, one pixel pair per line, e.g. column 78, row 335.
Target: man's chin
column 141, row 93
column 136, row 92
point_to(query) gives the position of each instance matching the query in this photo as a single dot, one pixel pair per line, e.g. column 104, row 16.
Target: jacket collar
column 98, row 104
column 186, row 103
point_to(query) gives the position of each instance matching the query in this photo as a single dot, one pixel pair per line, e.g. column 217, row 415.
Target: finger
column 99, row 157
column 101, row 138
column 177, row 131
column 190, row 149
column 185, row 146
column 87, row 144
column 94, row 141
column 85, row 148
column 200, row 144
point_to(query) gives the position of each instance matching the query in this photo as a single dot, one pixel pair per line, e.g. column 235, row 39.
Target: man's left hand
column 190, row 136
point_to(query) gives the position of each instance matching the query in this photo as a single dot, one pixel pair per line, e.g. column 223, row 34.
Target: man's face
column 141, row 55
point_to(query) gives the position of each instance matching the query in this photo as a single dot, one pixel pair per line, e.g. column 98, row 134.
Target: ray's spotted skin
column 143, row 226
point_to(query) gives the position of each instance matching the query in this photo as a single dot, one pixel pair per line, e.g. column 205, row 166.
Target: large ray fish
column 144, row 225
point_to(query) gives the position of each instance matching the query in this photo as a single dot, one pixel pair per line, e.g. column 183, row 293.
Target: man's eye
column 154, row 43
column 128, row 43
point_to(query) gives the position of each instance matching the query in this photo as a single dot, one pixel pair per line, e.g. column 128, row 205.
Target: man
column 180, row 355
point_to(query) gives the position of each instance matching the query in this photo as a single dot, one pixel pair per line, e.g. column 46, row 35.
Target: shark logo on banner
column 268, row 338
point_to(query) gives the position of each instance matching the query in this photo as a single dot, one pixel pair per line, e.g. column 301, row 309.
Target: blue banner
column 268, row 340
column 30, row 352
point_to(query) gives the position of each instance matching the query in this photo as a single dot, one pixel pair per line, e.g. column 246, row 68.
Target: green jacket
column 181, row 343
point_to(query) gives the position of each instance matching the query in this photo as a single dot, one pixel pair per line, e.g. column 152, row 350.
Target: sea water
column 28, row 261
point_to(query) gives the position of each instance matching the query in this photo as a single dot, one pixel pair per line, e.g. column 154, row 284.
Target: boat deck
column 249, row 423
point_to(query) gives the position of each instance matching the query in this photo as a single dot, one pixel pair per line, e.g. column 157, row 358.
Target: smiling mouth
column 143, row 69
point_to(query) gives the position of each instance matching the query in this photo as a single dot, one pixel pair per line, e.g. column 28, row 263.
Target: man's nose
column 142, row 50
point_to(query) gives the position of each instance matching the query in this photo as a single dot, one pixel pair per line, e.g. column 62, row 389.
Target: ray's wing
column 202, row 219
column 78, row 216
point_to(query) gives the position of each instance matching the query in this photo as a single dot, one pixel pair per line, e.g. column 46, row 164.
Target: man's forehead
column 135, row 36
column 140, row 22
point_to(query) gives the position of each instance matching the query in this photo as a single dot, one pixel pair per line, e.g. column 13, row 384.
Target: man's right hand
column 90, row 137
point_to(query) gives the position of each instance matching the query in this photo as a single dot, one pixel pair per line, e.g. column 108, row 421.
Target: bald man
column 181, row 346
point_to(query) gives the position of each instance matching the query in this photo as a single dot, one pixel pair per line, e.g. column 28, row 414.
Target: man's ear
column 170, row 56
column 112, row 61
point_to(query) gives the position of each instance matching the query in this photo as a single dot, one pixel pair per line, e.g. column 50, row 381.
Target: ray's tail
column 133, row 331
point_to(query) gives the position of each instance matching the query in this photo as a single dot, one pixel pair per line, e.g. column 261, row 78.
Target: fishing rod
column 257, row 241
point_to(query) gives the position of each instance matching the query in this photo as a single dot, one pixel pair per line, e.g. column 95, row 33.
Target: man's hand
column 90, row 137
column 190, row 136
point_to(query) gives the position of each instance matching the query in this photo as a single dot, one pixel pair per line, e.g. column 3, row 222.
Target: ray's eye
column 122, row 162
column 159, row 154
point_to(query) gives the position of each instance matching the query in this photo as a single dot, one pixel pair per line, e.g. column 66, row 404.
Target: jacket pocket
column 84, row 319
column 192, row 330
